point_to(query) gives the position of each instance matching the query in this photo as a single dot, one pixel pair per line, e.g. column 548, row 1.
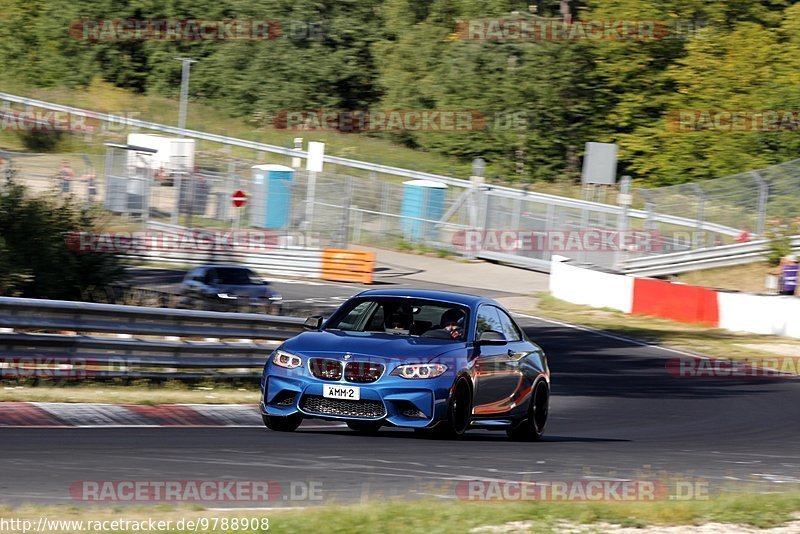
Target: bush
column 41, row 141
column 35, row 259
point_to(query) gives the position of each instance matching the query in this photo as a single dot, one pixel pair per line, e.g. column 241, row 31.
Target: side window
column 376, row 323
column 509, row 329
column 210, row 276
column 357, row 315
column 487, row 320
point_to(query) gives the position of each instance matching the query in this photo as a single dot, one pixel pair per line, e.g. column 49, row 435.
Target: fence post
column 624, row 200
column 763, row 196
column 384, row 207
column 550, row 216
column 107, row 171
column 311, row 186
column 701, row 201
column 346, row 207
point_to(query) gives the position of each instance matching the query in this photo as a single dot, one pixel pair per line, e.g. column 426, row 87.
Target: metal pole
column 763, row 195
column 184, row 89
column 622, row 225
column 701, row 200
column 234, row 187
column 311, row 187
column 346, row 213
column 107, row 171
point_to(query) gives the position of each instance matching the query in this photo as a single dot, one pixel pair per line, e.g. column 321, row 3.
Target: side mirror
column 492, row 337
column 313, row 323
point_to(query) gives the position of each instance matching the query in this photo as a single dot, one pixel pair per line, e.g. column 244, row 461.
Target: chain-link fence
column 758, row 203
column 335, row 209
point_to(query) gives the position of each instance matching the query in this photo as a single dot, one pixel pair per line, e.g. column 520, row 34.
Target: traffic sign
column 239, row 198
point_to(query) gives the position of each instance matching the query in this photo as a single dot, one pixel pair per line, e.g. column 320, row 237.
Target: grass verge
column 761, row 511
column 750, row 278
column 691, row 338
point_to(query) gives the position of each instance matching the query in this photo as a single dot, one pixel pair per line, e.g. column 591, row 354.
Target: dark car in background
column 228, row 288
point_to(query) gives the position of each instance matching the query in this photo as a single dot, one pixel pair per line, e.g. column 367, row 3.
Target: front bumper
column 391, row 400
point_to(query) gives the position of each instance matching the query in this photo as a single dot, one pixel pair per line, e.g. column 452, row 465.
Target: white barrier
column 759, row 314
column 590, row 288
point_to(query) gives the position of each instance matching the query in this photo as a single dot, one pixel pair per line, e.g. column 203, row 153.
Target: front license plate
column 341, row 392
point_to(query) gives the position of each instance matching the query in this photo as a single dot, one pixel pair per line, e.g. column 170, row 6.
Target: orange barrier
column 688, row 304
column 348, row 265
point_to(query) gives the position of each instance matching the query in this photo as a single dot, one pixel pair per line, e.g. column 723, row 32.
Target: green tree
column 36, row 259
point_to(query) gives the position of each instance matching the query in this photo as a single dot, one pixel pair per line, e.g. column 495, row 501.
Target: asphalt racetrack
column 616, row 413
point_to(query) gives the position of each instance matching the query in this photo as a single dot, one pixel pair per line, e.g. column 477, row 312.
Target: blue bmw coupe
column 429, row 360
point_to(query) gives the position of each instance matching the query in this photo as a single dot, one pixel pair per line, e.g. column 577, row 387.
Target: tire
column 459, row 409
column 282, row 424
column 532, row 427
column 364, row 427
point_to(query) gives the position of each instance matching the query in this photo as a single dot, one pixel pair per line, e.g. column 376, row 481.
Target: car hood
column 379, row 345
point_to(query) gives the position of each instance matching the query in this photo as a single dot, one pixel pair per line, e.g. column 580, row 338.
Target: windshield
column 403, row 316
column 236, row 277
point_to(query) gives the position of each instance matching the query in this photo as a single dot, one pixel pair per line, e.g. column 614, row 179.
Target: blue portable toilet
column 271, row 201
column 422, row 199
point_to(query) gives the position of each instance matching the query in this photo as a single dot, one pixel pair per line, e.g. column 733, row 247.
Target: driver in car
column 453, row 322
column 397, row 323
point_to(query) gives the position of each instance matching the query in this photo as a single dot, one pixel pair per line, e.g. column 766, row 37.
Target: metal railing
column 40, row 334
column 706, row 258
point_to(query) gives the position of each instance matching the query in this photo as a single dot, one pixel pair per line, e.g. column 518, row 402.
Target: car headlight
column 420, row 370
column 287, row 360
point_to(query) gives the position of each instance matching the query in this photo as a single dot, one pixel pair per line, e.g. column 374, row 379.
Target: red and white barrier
column 738, row 312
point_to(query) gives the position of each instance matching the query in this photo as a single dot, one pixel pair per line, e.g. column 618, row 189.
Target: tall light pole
column 184, row 89
column 182, row 124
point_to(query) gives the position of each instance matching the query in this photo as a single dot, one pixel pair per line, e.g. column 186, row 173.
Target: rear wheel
column 282, row 424
column 364, row 427
column 459, row 410
column 532, row 428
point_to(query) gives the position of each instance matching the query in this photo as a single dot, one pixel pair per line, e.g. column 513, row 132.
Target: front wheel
column 364, row 427
column 532, row 428
column 282, row 424
column 459, row 410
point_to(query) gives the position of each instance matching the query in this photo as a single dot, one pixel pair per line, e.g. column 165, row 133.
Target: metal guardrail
column 706, row 258
column 284, row 261
column 43, row 340
column 373, row 167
